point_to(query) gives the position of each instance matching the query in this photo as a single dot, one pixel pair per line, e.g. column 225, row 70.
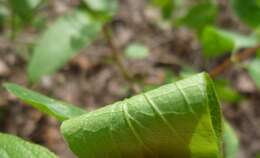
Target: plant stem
column 120, row 61
column 227, row 64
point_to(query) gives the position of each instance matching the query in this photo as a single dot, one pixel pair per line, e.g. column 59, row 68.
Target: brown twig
column 244, row 55
column 116, row 52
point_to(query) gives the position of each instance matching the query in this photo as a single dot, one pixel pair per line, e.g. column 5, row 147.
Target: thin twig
column 228, row 63
column 120, row 61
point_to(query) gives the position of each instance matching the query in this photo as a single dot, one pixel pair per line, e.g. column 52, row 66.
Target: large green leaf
column 62, row 41
column 58, row 109
column 181, row 120
column 216, row 41
column 254, row 71
column 14, row 147
column 24, row 8
column 247, row 10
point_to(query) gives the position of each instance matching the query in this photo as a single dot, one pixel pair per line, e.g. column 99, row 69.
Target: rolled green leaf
column 60, row 110
column 14, row 147
column 179, row 120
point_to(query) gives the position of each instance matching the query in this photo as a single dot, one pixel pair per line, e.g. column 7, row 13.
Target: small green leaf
column 166, row 7
column 228, row 93
column 24, row 8
column 216, row 42
column 60, row 110
column 247, row 10
column 107, row 8
column 199, row 15
column 231, row 142
column 61, row 42
column 254, row 71
column 178, row 120
column 137, row 51
column 14, row 147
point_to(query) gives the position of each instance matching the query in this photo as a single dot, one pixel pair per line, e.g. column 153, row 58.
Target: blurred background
column 93, row 52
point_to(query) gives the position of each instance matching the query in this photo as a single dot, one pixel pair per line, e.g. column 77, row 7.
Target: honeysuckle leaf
column 105, row 9
column 181, row 119
column 248, row 11
column 14, row 147
column 231, row 142
column 216, row 41
column 25, row 8
column 62, row 41
column 60, row 110
column 200, row 15
column 254, row 71
column 137, row 51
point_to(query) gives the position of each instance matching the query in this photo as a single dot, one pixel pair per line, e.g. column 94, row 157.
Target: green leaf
column 24, row 8
column 166, row 7
column 247, row 10
column 137, row 51
column 60, row 110
column 254, row 71
column 200, row 15
column 181, row 119
column 216, row 42
column 107, row 8
column 231, row 142
column 14, row 147
column 62, row 41
column 228, row 93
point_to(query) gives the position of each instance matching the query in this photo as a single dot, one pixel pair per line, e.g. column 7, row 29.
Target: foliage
column 136, row 51
column 61, row 41
column 14, row 147
column 173, row 111
column 60, row 110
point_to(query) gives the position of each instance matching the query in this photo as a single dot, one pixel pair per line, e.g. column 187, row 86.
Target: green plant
column 181, row 119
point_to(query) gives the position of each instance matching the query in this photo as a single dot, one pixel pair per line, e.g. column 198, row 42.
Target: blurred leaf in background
column 4, row 12
column 61, row 41
column 254, row 71
column 231, row 141
column 166, row 7
column 247, row 10
column 24, row 9
column 136, row 51
column 200, row 15
column 226, row 92
column 216, row 42
column 104, row 9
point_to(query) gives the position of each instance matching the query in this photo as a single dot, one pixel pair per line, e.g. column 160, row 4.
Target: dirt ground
column 91, row 81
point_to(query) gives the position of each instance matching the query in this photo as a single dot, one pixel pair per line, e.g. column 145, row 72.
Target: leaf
column 14, row 147
column 107, row 8
column 62, row 41
column 199, row 15
column 166, row 6
column 181, row 119
column 254, row 71
column 248, row 11
column 25, row 8
column 60, row 110
column 228, row 93
column 216, row 42
column 231, row 142
column 137, row 51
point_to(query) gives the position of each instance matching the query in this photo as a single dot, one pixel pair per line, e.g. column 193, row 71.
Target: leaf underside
column 181, row 120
